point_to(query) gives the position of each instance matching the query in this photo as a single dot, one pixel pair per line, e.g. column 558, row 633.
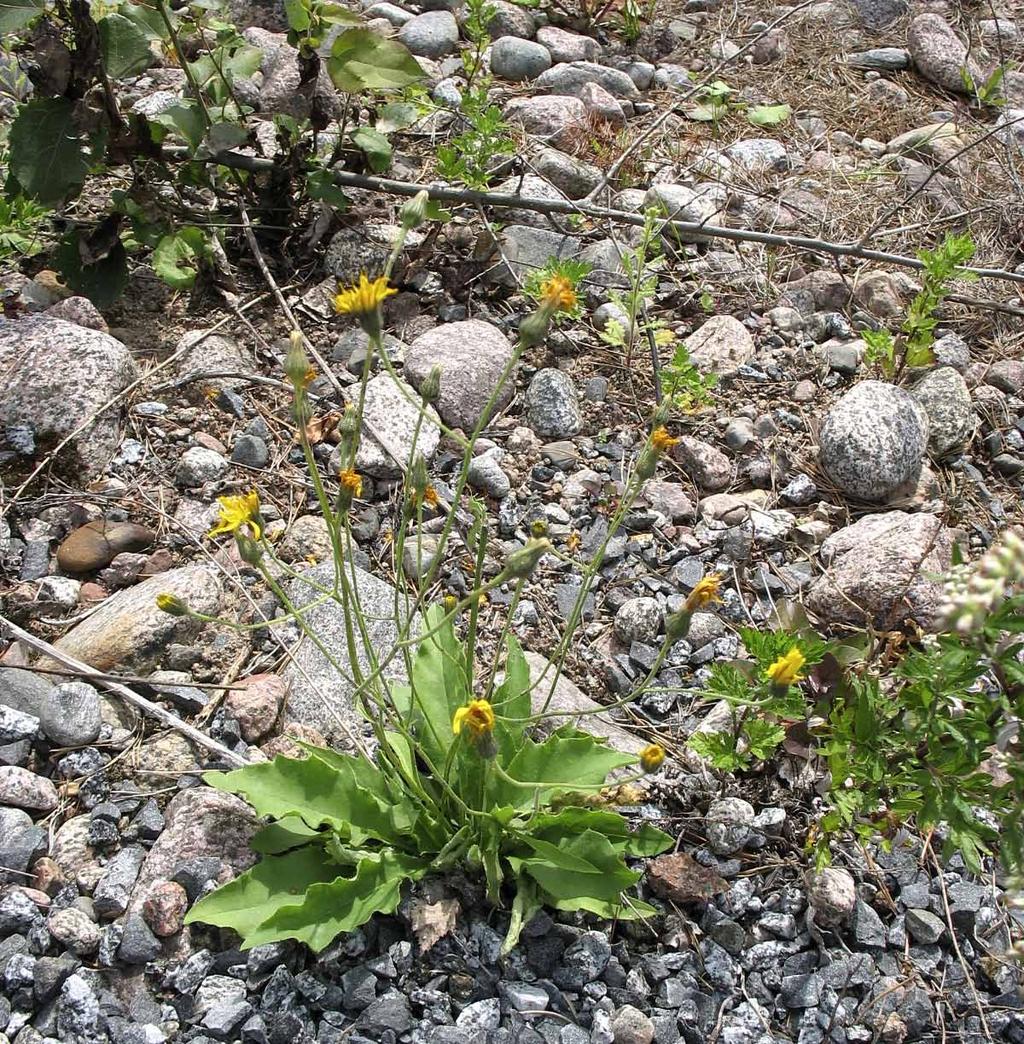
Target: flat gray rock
column 319, row 694
column 570, row 78
column 945, row 397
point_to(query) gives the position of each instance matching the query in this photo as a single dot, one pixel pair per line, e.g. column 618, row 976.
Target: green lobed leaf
column 606, row 882
column 275, row 882
column 645, row 841
column 282, row 836
column 47, row 154
column 769, row 115
column 124, row 46
column 328, row 909
column 319, row 793
column 16, row 14
column 361, row 60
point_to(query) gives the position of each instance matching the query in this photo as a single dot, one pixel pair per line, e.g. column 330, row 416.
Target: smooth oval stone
column 97, row 543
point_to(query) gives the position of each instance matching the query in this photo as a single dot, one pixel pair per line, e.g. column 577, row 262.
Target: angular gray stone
column 513, row 58
column 577, row 708
column 526, row 248
column 472, row 356
column 319, row 696
column 877, row 14
column 390, row 411
column 114, row 889
column 887, row 59
column 883, row 569
column 873, row 441
column 947, row 401
column 939, row 55
column 58, row 376
column 924, row 927
column 698, row 204
column 432, row 35
column 569, row 78
column 552, row 405
column 555, row 119
column 573, row 177
column 129, row 630
column 868, row 929
column 720, row 345
column 16, row 725
column 707, row 465
column 568, row 47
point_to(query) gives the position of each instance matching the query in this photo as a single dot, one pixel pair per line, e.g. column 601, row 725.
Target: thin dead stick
column 446, row 194
column 153, row 710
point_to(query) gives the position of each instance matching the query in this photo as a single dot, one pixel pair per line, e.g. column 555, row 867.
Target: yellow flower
column 572, row 542
column 558, row 293
column 705, row 592
column 477, row 717
column 351, row 482
column 786, row 669
column 363, row 297
column 651, row 757
column 430, row 497
column 661, row 440
column 239, row 511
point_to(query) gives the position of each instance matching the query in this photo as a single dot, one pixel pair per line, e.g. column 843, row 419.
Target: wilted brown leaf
column 320, row 429
column 431, row 922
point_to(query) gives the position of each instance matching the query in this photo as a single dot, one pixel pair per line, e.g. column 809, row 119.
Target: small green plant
column 683, row 386
column 22, row 222
column 634, row 17
column 714, row 101
column 470, row 158
column 913, row 345
column 569, row 271
column 987, row 93
column 477, row 18
column 931, row 740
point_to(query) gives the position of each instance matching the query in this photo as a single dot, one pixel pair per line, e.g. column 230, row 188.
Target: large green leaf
column 178, row 257
column 282, row 836
column 512, row 697
column 361, row 60
column 341, row 905
column 606, row 881
column 147, row 20
column 321, row 794
column 438, row 686
column 103, row 281
column 561, row 762
column 646, row 841
column 124, row 46
column 46, row 151
column 246, row 902
column 16, row 14
column 374, row 146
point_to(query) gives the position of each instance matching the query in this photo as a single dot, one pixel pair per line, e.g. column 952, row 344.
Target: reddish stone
column 164, row 908
column 256, row 703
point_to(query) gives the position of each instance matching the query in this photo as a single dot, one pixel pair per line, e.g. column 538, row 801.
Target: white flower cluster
column 972, row 592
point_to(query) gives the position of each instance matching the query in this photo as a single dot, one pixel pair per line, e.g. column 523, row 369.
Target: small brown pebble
column 257, row 704
column 285, row 744
column 97, row 544
column 48, row 876
column 682, row 879
column 92, row 593
column 207, row 441
column 164, row 908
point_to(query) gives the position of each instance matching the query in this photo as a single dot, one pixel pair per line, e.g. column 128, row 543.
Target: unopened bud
column 414, row 211
column 538, row 528
column 296, row 362
column 647, row 463
column 677, row 626
column 418, row 476
column 249, row 550
column 430, row 389
column 522, row 563
column 172, row 605
column 348, row 426
column 534, row 328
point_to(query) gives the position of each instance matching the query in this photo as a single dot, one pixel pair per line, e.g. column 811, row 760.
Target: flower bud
column 296, row 362
column 522, row 563
column 430, row 389
column 172, row 605
column 647, row 463
column 677, row 626
column 418, row 477
column 534, row 328
column 414, row 211
column 249, row 550
column 538, row 528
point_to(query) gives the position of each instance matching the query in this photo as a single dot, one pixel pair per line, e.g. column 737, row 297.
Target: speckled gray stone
column 552, row 406
column 569, row 78
column 873, row 441
column 946, row 400
column 58, row 375
column 471, row 355
column 432, row 35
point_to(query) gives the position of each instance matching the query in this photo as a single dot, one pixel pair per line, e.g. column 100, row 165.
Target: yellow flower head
column 172, row 605
column 558, row 293
column 705, row 592
column 661, row 440
column 651, row 757
column 430, row 497
column 786, row 669
column 351, row 482
column 239, row 511
column 363, row 297
column 477, row 718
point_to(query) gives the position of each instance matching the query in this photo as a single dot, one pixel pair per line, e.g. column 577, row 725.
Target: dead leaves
column 431, row 922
